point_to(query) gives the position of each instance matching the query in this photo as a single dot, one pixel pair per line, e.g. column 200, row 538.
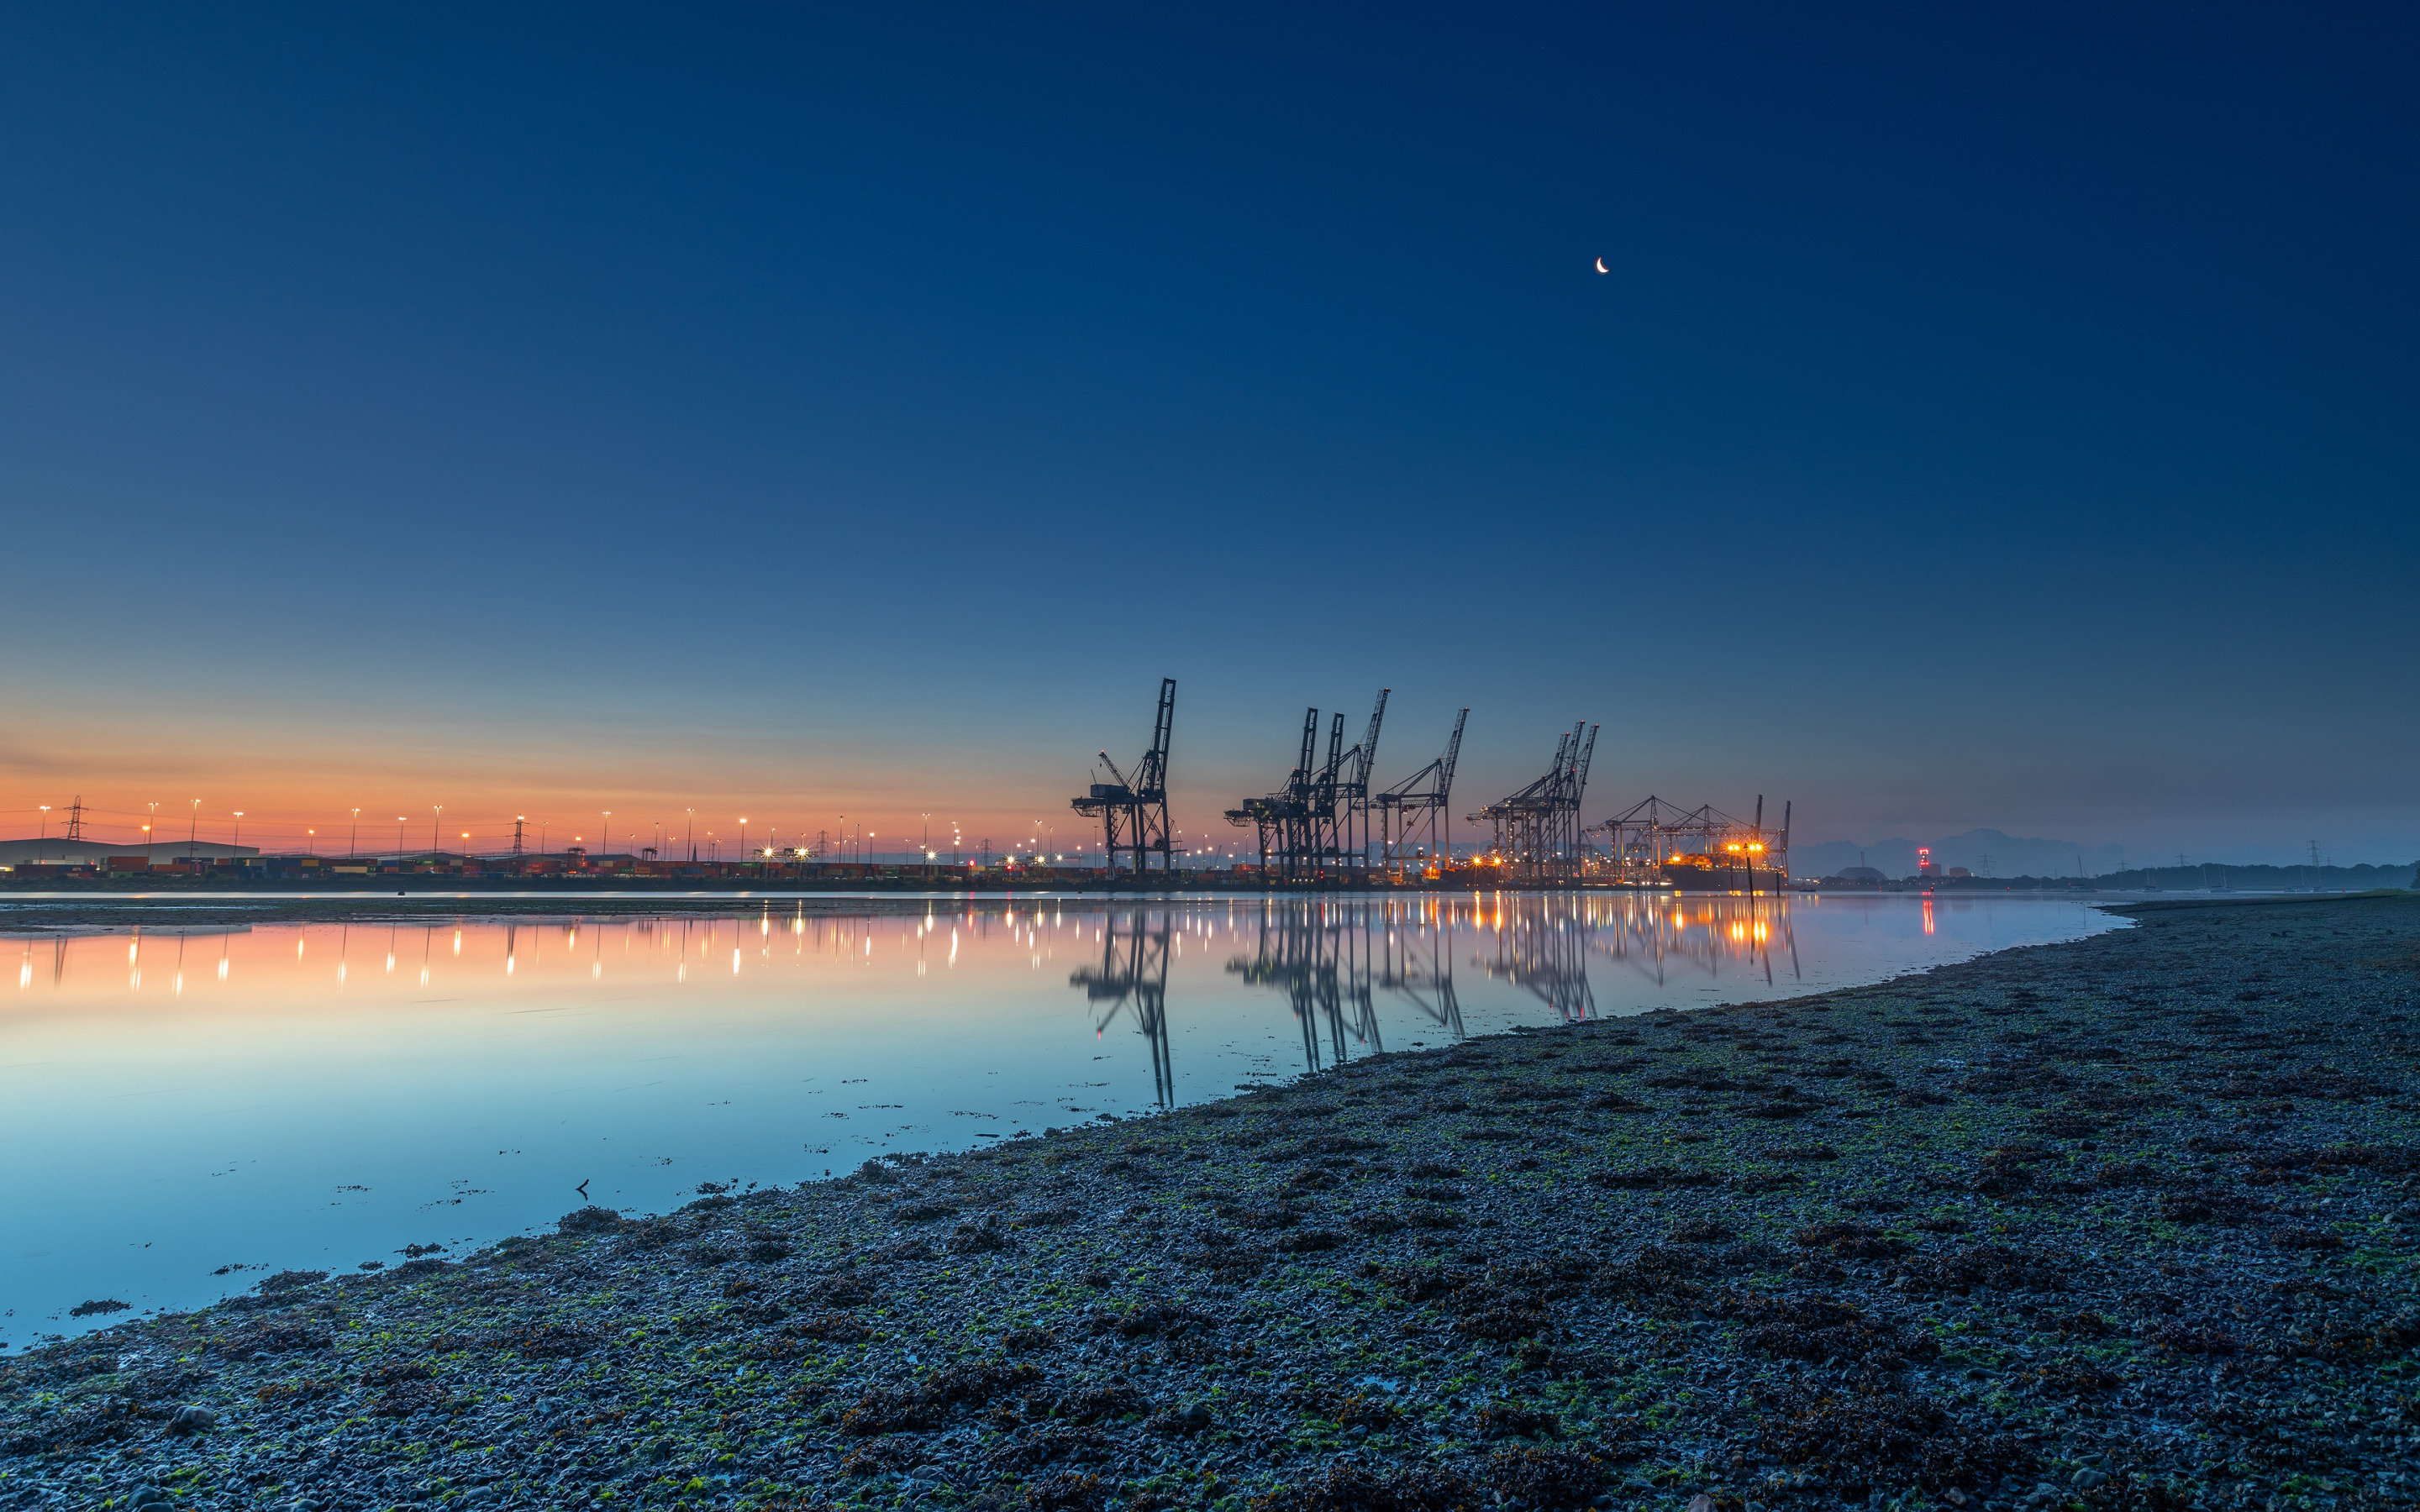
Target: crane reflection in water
column 1320, row 956
column 1330, row 959
column 1133, row 978
column 1662, row 936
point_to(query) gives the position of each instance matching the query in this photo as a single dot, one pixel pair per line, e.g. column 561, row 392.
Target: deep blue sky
column 1991, row 417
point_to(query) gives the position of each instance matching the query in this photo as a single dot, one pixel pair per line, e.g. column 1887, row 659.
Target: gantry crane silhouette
column 1418, row 803
column 1318, row 824
column 1134, row 811
column 1537, row 828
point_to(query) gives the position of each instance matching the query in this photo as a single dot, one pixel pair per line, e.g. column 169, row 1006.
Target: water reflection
column 1544, row 951
column 274, row 1104
column 1694, row 936
column 1327, row 959
column 1331, row 960
column 1416, row 964
column 1318, row 957
column 1132, row 978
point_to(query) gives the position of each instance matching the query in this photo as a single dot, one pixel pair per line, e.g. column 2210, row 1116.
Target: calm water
column 290, row 1096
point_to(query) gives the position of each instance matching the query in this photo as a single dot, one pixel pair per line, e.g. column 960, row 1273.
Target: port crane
column 1320, row 820
column 1419, row 803
column 1654, row 843
column 1134, row 811
column 1537, row 828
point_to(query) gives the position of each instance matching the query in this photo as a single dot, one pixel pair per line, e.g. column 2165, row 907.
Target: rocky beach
column 2128, row 1222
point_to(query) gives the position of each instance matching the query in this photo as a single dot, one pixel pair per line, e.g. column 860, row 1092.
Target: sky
column 1989, row 417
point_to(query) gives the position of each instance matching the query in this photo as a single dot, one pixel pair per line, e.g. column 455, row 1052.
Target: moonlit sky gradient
column 1991, row 418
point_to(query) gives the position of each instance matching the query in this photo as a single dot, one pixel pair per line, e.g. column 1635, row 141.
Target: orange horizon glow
column 332, row 828
column 326, row 765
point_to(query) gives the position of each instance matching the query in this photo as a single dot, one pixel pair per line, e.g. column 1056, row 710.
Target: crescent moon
column 1601, row 266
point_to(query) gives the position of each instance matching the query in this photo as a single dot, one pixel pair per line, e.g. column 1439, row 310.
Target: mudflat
column 2128, row 1222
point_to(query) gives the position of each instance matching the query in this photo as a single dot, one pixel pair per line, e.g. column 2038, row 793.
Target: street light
column 353, row 840
column 238, row 830
column 43, row 846
column 433, row 852
column 147, row 835
column 193, row 828
column 400, row 823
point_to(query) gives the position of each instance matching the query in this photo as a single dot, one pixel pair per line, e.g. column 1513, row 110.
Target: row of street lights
column 858, row 843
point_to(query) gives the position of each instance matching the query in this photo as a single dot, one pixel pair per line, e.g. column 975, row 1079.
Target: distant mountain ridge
column 1983, row 852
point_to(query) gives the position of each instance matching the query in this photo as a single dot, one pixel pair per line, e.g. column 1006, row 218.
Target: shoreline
column 2111, row 1215
column 36, row 917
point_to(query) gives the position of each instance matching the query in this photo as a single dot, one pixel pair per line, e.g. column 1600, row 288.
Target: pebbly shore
column 2124, row 1223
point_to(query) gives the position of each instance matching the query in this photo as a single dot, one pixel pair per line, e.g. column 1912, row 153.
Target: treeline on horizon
column 2238, row 878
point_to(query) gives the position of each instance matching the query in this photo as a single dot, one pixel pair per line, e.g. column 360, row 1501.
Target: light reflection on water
column 175, row 1101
